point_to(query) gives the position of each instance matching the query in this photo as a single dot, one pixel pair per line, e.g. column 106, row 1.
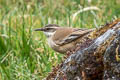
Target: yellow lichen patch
column 103, row 46
column 117, row 53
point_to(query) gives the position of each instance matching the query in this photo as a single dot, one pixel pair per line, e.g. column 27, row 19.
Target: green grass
column 25, row 54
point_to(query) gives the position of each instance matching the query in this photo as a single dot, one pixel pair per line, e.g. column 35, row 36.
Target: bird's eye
column 50, row 29
column 47, row 28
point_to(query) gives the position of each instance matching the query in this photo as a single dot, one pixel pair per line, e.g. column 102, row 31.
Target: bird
column 63, row 39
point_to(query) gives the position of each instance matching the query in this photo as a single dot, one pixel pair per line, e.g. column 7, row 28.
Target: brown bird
column 63, row 39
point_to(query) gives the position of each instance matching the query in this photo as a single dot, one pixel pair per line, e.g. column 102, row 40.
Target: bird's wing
column 75, row 34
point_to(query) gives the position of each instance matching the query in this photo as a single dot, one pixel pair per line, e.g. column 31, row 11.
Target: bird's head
column 49, row 29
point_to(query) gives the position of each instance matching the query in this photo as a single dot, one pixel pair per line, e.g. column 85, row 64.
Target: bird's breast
column 51, row 43
column 59, row 48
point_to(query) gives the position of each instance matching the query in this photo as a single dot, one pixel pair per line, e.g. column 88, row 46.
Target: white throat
column 49, row 38
column 49, row 34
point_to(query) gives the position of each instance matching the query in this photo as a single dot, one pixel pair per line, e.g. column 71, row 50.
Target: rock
column 112, row 61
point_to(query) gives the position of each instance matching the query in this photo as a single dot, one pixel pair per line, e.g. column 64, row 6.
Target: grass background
column 25, row 54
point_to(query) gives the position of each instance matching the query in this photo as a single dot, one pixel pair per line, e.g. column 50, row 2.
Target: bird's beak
column 40, row 29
